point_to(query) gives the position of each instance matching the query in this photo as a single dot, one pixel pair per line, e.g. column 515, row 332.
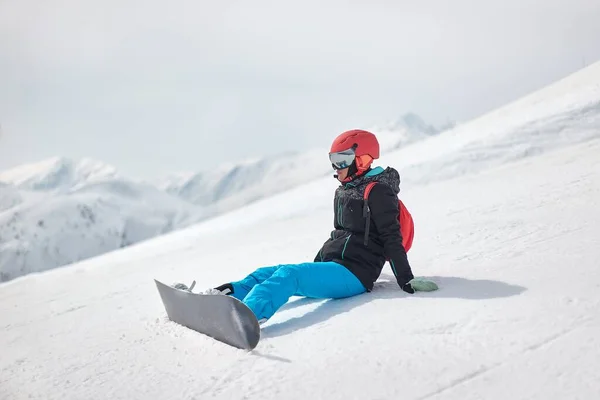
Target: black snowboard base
column 221, row 317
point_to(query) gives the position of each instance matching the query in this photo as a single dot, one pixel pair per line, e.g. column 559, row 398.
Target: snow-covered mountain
column 508, row 226
column 60, row 210
column 230, row 186
column 57, row 174
column 210, row 187
column 47, row 230
column 9, row 196
column 410, row 127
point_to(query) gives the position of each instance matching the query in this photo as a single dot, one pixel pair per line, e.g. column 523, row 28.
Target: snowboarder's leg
column 316, row 280
column 327, row 280
column 242, row 287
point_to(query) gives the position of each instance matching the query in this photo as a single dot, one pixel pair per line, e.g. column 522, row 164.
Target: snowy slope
column 517, row 314
column 47, row 230
column 558, row 115
column 512, row 244
column 9, row 196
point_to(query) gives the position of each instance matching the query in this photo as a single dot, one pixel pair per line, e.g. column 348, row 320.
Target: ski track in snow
column 484, row 370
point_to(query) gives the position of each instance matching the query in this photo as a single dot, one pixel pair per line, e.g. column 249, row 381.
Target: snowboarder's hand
column 421, row 285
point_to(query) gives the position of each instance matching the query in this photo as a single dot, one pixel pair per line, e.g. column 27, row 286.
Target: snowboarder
column 351, row 259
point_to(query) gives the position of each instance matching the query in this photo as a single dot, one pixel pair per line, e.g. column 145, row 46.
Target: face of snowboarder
column 342, row 174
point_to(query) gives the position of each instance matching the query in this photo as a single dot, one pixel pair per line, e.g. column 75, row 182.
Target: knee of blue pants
column 242, row 287
column 317, row 280
column 267, row 297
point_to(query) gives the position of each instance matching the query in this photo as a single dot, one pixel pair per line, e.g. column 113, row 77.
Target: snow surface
column 512, row 243
column 517, row 314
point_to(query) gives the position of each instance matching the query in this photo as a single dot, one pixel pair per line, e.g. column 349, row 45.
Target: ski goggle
column 342, row 159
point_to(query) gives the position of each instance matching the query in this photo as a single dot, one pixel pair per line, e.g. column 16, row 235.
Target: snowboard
column 221, row 317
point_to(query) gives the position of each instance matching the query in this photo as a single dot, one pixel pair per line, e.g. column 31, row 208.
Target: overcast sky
column 154, row 86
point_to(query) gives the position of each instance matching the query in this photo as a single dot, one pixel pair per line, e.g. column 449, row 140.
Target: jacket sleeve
column 383, row 203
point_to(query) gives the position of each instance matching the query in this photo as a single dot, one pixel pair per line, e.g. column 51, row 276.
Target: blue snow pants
column 265, row 290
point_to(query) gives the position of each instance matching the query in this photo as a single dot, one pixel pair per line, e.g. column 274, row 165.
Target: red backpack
column 407, row 226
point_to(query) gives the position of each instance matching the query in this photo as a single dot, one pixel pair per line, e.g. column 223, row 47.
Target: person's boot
column 225, row 289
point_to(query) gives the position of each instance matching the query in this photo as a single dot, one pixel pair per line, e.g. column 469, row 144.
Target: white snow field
column 510, row 236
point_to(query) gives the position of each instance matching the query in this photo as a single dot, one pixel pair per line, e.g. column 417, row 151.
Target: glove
column 423, row 285
column 419, row 285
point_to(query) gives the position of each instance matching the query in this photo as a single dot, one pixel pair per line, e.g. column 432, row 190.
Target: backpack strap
column 367, row 210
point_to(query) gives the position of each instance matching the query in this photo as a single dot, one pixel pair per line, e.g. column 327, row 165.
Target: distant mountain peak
column 57, row 173
column 411, row 123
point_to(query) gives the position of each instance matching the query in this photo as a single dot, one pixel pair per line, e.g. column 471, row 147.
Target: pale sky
column 158, row 86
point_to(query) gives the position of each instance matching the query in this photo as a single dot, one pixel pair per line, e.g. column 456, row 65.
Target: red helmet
column 364, row 143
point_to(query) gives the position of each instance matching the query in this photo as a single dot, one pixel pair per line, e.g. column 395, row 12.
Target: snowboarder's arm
column 384, row 211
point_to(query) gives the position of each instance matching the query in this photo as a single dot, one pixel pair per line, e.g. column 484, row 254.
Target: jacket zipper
column 345, row 244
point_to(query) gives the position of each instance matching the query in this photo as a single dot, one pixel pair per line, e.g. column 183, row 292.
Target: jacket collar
column 365, row 178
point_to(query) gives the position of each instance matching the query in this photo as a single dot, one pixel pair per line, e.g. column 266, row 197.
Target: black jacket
column 346, row 244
